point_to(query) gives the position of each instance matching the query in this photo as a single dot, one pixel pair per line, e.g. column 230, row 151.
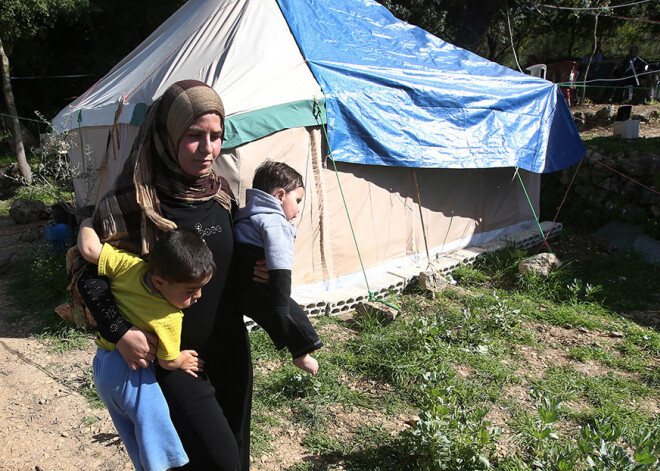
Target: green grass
column 419, row 393
column 453, row 359
column 51, row 181
column 40, row 284
column 62, row 337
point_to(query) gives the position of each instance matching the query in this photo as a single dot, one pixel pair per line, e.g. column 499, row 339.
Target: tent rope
column 317, row 115
column 531, row 206
column 554, row 220
column 20, row 117
column 623, row 175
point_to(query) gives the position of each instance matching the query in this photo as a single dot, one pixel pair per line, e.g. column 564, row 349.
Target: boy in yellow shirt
column 150, row 295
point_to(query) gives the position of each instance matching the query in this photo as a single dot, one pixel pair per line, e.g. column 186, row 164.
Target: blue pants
column 139, row 411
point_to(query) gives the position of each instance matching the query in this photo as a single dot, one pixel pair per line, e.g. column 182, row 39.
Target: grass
column 40, row 284
column 51, row 183
column 420, row 389
column 500, row 372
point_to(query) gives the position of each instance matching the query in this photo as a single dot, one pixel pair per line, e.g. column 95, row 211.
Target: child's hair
column 181, row 256
column 270, row 176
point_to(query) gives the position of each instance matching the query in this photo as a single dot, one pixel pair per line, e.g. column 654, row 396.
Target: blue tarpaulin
column 398, row 96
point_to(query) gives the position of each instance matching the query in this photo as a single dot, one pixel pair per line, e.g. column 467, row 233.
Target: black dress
column 212, row 412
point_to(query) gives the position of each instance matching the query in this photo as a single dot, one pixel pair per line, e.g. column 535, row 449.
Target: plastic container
column 58, row 237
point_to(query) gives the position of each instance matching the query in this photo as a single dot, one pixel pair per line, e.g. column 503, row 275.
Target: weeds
column 448, row 435
column 447, row 367
column 480, row 334
column 40, row 284
column 62, row 337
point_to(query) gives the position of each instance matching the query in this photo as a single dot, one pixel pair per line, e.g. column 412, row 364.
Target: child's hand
column 307, row 363
column 191, row 363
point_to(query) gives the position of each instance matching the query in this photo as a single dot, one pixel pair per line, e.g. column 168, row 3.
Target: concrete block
column 628, row 129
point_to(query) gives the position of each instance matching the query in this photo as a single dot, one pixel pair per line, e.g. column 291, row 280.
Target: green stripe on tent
column 253, row 125
column 247, row 127
column 139, row 114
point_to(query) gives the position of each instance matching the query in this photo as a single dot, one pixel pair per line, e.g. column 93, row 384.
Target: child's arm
column 89, row 243
column 187, row 361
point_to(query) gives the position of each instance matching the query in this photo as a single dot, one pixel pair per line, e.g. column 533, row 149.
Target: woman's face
column 200, row 145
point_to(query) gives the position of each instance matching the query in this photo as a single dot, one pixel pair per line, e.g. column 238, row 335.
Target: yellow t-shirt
column 137, row 303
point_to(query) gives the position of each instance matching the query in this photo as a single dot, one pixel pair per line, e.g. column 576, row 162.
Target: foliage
column 601, row 443
column 448, row 435
column 62, row 337
column 21, row 19
column 598, row 446
column 529, row 28
column 627, row 147
column 64, row 44
column 483, row 334
column 40, row 284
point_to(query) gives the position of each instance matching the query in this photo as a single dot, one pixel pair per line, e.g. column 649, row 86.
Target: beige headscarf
column 130, row 211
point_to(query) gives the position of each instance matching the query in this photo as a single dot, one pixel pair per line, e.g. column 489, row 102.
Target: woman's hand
column 138, row 348
column 261, row 272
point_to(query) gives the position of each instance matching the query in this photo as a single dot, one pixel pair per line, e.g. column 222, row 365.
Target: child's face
column 291, row 201
column 180, row 295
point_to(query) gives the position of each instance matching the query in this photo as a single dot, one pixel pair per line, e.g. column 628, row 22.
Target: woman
column 168, row 181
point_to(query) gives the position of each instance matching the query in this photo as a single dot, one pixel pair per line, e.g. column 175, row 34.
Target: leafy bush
column 447, row 435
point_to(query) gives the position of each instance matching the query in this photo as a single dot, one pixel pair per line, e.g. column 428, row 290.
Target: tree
column 20, row 19
column 23, row 166
column 472, row 32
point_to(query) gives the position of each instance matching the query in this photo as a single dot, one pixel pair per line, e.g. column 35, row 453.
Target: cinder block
column 628, row 129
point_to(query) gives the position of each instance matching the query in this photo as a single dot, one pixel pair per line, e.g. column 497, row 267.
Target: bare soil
column 648, row 115
column 47, row 424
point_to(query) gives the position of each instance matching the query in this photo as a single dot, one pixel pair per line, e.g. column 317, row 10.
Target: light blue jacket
column 262, row 223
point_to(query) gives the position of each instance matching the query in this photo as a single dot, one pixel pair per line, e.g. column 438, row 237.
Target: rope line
column 594, row 8
column 49, row 76
column 554, row 221
column 623, row 175
column 580, row 85
column 530, row 204
column 317, row 115
column 82, row 147
column 19, row 117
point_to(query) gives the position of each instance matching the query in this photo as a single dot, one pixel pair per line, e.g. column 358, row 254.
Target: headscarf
column 130, row 211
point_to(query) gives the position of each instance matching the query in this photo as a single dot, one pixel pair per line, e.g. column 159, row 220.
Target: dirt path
column 45, row 423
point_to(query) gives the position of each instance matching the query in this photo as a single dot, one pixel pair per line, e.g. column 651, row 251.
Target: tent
column 409, row 145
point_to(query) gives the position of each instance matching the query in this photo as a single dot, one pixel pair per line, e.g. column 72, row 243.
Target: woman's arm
column 137, row 347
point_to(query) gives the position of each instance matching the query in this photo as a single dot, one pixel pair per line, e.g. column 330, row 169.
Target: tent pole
column 421, row 217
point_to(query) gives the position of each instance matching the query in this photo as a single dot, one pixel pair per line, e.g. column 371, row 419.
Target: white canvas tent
column 401, row 113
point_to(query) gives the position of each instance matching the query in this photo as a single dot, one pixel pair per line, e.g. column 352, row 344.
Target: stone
column 541, row 264
column 65, row 312
column 24, row 211
column 432, row 280
column 605, row 115
column 384, row 313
